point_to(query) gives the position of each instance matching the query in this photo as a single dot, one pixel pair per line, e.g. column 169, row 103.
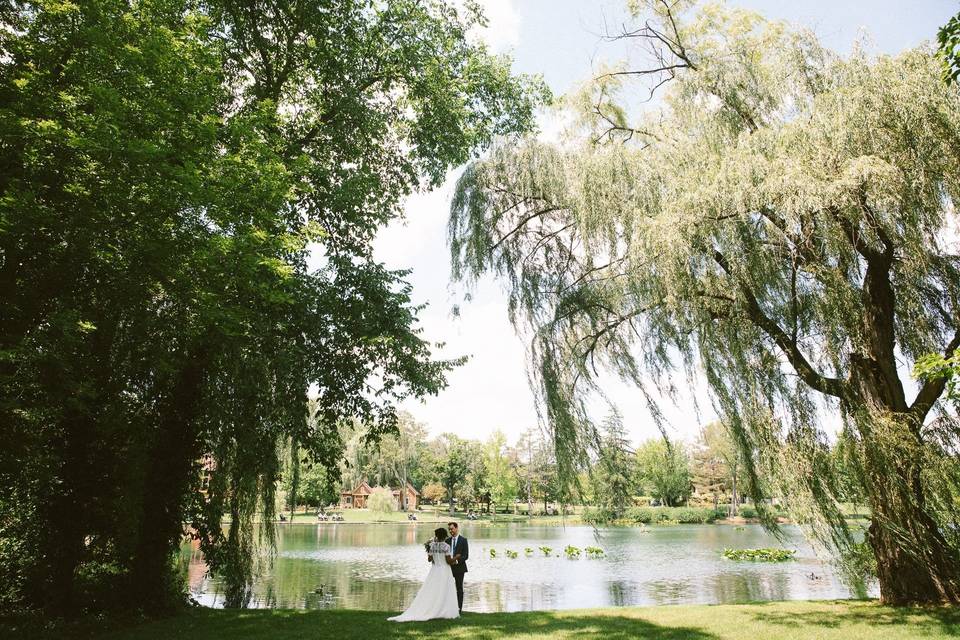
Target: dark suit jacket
column 463, row 548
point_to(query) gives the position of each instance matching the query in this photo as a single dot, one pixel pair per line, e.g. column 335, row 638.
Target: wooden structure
column 357, row 497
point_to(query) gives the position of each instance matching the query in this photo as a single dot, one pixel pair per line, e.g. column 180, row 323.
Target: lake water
column 380, row 567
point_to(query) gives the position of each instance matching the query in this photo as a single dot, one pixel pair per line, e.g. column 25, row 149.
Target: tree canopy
column 772, row 220
column 169, row 168
column 949, row 40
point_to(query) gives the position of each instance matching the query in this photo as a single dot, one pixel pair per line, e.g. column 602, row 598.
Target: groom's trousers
column 458, row 578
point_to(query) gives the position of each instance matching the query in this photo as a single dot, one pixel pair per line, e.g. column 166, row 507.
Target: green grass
column 840, row 620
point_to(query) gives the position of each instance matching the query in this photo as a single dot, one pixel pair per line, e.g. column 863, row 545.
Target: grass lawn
column 840, row 620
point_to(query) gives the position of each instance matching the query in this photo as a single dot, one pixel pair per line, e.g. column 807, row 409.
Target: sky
column 561, row 39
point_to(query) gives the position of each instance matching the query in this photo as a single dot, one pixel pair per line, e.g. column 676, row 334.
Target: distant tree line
column 496, row 474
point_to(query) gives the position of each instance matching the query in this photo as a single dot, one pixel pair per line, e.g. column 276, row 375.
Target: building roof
column 365, row 489
column 410, row 488
column 362, row 489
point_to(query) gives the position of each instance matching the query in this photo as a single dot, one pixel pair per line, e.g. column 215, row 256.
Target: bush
column 699, row 515
column 684, row 515
column 746, row 511
column 381, row 500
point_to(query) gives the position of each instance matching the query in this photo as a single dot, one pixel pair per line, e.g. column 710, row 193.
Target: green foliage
column 685, row 515
column 381, row 501
column 528, row 551
column 452, row 464
column 760, row 555
column 948, row 41
column 936, row 367
column 169, row 169
column 724, row 232
column 663, row 470
column 612, row 478
column 511, row 554
column 716, row 470
column 571, row 551
column 546, row 550
column 493, row 553
column 594, row 552
column 500, row 480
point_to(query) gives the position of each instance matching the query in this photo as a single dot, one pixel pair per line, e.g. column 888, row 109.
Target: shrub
column 572, row 551
column 746, row 511
column 546, row 550
column 691, row 515
column 597, row 516
column 594, row 552
column 511, row 554
column 639, row 515
column 381, row 500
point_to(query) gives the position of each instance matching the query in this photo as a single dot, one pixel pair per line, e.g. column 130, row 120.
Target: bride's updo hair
column 440, row 533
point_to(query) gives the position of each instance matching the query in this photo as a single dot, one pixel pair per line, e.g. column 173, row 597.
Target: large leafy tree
column 453, row 460
column 663, row 469
column 168, row 168
column 613, row 478
column 399, row 452
column 775, row 222
column 716, row 460
column 501, row 479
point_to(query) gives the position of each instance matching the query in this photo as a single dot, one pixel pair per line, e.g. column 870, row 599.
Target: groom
column 460, row 550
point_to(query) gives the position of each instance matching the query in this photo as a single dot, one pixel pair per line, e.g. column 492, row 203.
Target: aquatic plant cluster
column 760, row 555
column 570, row 551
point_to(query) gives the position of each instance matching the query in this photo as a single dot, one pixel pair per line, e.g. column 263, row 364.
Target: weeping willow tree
column 773, row 220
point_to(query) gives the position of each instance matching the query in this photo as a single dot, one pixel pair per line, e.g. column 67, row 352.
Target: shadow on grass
column 346, row 625
column 867, row 612
column 549, row 624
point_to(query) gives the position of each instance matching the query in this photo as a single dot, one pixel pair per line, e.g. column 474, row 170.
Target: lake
column 380, row 567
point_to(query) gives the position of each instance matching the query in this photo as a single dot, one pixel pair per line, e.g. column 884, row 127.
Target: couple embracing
column 441, row 595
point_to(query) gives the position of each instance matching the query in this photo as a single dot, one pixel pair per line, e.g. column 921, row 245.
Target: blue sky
column 560, row 39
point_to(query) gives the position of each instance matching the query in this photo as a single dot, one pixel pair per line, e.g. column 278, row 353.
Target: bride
column 437, row 597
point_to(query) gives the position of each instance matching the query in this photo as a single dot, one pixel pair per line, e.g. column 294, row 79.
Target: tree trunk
column 734, row 498
column 174, row 453
column 914, row 563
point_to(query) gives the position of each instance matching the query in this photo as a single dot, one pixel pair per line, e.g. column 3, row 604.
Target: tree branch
column 932, row 388
column 823, row 384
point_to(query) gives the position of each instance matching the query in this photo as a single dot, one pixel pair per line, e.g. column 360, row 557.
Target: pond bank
column 825, row 620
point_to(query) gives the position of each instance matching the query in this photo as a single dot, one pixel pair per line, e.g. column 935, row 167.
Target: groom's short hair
column 453, row 524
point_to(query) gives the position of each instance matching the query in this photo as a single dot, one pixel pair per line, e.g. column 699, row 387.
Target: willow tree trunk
column 914, row 562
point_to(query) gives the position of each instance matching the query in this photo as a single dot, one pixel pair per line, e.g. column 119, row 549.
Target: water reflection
column 380, row 567
column 665, row 592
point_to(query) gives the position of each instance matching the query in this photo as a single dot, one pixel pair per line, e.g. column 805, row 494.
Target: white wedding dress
column 437, row 597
